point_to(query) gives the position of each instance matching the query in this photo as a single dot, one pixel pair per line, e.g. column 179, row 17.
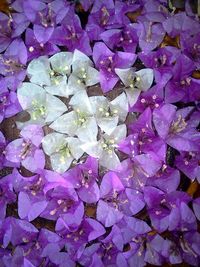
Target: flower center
column 108, row 145
column 38, row 110
column 107, row 112
column 178, row 125
column 26, row 148
column 81, row 117
column 134, row 81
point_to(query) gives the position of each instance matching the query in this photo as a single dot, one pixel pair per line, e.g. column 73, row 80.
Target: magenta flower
column 125, row 38
column 9, row 105
column 84, row 178
column 182, row 87
column 171, row 211
column 188, row 163
column 13, row 64
column 7, row 195
column 176, row 128
column 12, row 26
column 106, row 61
column 71, row 34
column 26, row 150
column 37, row 49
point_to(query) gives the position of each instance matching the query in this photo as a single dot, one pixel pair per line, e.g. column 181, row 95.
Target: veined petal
column 38, row 71
column 118, row 134
column 61, row 89
column 61, row 62
column 98, row 102
column 132, row 95
column 28, row 92
column 92, row 76
column 80, row 57
column 92, row 148
column 88, row 131
column 55, row 108
column 109, row 160
column 52, row 142
column 66, row 124
column 80, row 101
column 75, row 84
column 124, row 75
column 108, row 125
column 74, row 145
column 120, row 104
column 146, row 78
column 60, row 164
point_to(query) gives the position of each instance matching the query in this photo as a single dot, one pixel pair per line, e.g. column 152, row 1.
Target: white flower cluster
column 93, row 125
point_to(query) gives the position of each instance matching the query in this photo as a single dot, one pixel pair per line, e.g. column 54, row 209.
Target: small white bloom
column 80, row 121
column 83, row 75
column 135, row 82
column 109, row 114
column 52, row 72
column 42, row 107
column 104, row 149
column 62, row 150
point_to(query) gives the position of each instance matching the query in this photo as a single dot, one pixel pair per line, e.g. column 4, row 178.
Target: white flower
column 62, row 150
column 135, row 82
column 80, row 121
column 83, row 74
column 42, row 107
column 104, row 149
column 109, row 114
column 52, row 72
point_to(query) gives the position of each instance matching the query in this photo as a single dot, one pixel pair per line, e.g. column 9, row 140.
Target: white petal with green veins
column 66, row 124
column 55, row 108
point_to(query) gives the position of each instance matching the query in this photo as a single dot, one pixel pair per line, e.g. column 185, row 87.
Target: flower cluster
column 100, row 133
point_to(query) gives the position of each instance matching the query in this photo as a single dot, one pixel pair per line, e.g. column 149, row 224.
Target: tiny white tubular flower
column 52, row 72
column 42, row 107
column 135, row 82
column 109, row 114
column 104, row 149
column 62, row 150
column 79, row 122
column 83, row 73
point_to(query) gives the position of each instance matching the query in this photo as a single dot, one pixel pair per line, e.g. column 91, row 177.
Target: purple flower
column 167, row 179
column 12, row 64
column 17, row 232
column 9, row 105
column 182, row 87
column 188, row 163
column 171, row 211
column 107, row 61
column 144, row 140
column 191, row 48
column 176, row 128
column 71, row 34
column 196, row 207
column 84, row 178
column 180, row 23
column 12, row 26
column 116, row 200
column 7, row 195
column 125, row 38
column 150, row 34
column 2, row 150
column 61, row 201
column 29, row 206
column 26, row 149
column 37, row 49
column 76, row 240
column 152, row 98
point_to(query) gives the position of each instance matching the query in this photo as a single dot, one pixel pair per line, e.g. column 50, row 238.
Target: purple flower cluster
column 102, row 169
